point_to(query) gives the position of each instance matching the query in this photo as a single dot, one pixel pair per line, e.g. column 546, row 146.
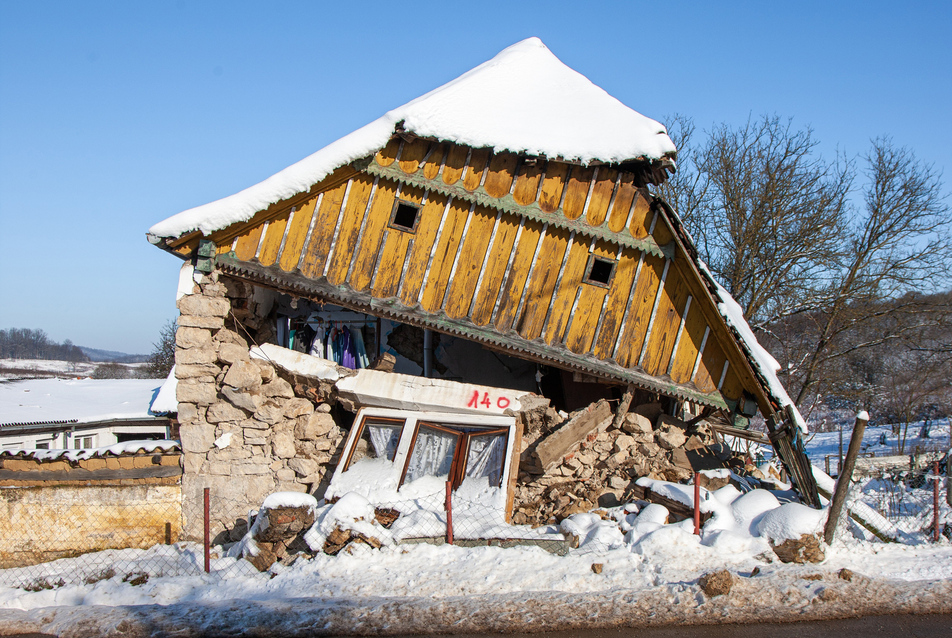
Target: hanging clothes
column 348, row 357
column 332, row 346
column 359, row 348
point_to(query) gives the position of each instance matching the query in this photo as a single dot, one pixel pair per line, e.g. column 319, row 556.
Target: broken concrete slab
column 373, row 388
column 297, row 362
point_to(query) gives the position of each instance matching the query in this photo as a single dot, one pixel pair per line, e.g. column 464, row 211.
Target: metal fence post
column 449, row 512
column 207, row 534
column 935, row 502
column 697, row 503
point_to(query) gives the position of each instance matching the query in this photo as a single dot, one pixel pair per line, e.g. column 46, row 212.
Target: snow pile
column 650, row 568
column 352, row 513
column 523, row 100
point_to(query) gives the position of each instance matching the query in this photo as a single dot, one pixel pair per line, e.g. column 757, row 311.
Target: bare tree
column 819, row 279
column 163, row 353
column 764, row 209
column 900, row 244
column 779, row 207
column 686, row 190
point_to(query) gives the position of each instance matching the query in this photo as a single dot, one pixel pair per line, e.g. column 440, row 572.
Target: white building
column 37, row 414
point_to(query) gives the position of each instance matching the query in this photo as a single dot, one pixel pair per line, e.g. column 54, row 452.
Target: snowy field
column 879, row 440
column 649, row 576
column 12, row 369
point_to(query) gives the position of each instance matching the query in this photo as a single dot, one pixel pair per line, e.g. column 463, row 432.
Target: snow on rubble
column 649, row 570
column 523, row 100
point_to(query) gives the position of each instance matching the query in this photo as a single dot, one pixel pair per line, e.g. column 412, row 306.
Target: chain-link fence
column 137, row 541
column 905, row 506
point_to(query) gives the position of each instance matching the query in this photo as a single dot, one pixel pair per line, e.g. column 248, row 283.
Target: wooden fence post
column 844, row 475
column 935, row 502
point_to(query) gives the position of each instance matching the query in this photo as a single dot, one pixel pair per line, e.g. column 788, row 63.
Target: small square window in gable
column 405, row 216
column 599, row 271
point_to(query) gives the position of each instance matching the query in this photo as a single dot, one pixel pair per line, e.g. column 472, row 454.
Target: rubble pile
column 596, row 464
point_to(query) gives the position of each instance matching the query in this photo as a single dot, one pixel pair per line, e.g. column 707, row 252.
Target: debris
column 805, row 549
column 717, row 583
column 580, row 424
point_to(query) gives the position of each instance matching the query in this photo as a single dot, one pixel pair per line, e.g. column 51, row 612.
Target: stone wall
column 245, row 432
column 57, row 508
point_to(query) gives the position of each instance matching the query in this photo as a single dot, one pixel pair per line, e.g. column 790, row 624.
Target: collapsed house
column 478, row 285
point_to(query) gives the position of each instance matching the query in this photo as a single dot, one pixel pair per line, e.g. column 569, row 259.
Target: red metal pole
column 935, row 503
column 449, row 512
column 207, row 547
column 697, row 503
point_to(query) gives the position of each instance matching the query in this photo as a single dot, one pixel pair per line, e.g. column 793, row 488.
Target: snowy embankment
column 648, row 576
column 424, row 589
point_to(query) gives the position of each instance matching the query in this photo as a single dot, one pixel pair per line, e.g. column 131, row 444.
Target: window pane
column 383, row 439
column 432, row 454
column 378, row 440
column 486, row 457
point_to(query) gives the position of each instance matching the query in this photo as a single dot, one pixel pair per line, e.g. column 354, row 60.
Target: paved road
column 928, row 626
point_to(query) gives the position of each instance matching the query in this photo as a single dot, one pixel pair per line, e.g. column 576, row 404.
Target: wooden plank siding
column 475, row 261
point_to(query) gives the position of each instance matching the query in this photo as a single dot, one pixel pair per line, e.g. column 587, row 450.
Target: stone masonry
column 244, row 431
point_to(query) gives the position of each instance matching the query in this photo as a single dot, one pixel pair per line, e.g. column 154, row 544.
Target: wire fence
column 137, row 541
column 905, row 506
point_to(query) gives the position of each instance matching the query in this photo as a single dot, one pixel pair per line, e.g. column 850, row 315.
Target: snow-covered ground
column 879, row 440
column 649, row 575
column 11, row 369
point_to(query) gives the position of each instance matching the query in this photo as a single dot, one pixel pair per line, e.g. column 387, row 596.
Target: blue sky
column 116, row 115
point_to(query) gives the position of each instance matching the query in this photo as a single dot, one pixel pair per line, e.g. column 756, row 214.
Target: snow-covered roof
column 165, row 401
column 76, row 400
column 118, row 449
column 524, row 100
column 757, row 355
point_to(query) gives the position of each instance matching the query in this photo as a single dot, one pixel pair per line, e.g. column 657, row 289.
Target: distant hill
column 113, row 356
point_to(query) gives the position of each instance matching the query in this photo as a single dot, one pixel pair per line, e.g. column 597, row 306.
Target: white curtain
column 432, row 454
column 384, row 438
column 486, row 457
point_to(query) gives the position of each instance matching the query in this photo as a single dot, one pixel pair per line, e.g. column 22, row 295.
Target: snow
column 165, row 401
column 289, row 499
column 524, row 100
column 80, row 400
column 791, row 521
column 878, row 440
column 117, row 449
column 649, row 577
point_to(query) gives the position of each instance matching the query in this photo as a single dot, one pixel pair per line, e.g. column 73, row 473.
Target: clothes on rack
column 339, row 341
